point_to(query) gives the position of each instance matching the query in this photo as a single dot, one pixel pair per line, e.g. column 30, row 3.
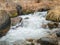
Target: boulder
column 12, row 9
column 52, row 25
column 5, row 23
column 54, row 14
column 15, row 20
column 29, row 40
column 44, row 26
column 58, row 34
column 48, row 41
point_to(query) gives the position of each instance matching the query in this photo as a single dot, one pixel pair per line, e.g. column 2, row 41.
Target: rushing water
column 30, row 27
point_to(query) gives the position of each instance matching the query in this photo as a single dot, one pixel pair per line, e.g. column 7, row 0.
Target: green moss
column 28, row 11
column 13, row 14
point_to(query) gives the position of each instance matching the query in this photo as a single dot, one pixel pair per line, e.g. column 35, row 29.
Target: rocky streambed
column 32, row 30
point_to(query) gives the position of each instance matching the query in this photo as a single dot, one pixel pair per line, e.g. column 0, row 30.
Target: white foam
column 31, row 28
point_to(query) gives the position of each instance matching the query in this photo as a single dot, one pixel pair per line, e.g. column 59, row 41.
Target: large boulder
column 54, row 14
column 5, row 23
column 11, row 8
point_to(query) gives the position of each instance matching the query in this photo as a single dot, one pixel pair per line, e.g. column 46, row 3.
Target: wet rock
column 48, row 41
column 54, row 16
column 5, row 23
column 44, row 25
column 30, row 44
column 52, row 25
column 4, row 43
column 19, row 9
column 29, row 40
column 38, row 41
column 58, row 34
column 13, row 13
column 51, row 39
column 26, row 18
column 15, row 20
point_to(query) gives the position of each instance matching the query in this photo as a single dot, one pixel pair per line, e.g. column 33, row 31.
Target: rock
column 5, row 23
column 44, row 25
column 54, row 14
column 29, row 40
column 48, row 41
column 59, row 26
column 26, row 18
column 19, row 9
column 13, row 13
column 4, row 43
column 52, row 25
column 58, row 34
column 15, row 20
column 12, row 9
column 19, row 42
column 30, row 44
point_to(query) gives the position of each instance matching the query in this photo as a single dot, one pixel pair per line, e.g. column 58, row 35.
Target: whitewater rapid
column 30, row 28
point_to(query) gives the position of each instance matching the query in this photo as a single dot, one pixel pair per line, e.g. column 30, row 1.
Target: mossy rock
column 27, row 11
column 13, row 13
column 54, row 15
column 5, row 23
column 48, row 41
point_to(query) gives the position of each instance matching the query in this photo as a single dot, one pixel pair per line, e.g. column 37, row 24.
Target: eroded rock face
column 5, row 23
